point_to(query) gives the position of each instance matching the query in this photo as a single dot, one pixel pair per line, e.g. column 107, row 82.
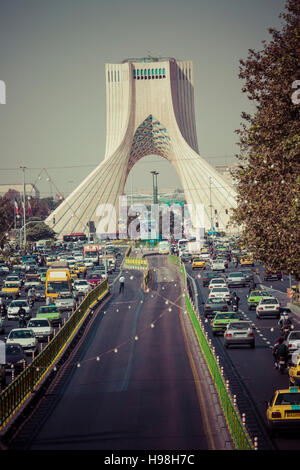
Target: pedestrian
column 122, row 282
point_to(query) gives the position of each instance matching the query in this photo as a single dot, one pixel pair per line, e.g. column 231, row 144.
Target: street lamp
column 155, row 188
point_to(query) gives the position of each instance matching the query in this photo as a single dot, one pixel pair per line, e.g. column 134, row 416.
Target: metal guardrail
column 15, row 394
column 239, row 434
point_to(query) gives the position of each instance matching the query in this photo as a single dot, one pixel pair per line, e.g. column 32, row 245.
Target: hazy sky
column 52, row 59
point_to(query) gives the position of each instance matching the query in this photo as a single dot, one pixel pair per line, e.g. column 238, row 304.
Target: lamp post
column 23, row 168
column 155, row 201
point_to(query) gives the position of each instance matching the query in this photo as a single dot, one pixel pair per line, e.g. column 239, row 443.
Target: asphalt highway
column 132, row 386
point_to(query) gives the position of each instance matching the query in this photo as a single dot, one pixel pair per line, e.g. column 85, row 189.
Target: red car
column 94, row 278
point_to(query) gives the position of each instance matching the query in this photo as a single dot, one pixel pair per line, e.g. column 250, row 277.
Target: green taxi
column 254, row 298
column 283, row 410
column 221, row 320
column 51, row 313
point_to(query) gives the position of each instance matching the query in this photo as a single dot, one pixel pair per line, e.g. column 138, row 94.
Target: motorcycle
column 282, row 364
column 285, row 330
column 235, row 307
column 22, row 323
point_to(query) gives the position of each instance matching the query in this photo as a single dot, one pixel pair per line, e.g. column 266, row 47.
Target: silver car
column 239, row 332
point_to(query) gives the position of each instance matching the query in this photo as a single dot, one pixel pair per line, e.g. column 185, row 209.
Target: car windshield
column 258, row 293
column 236, row 275
column 37, row 323
column 81, row 283
column 18, row 304
column 226, row 316
column 217, row 281
column 269, row 301
column 13, row 349
column 239, row 326
column 288, row 399
column 294, row 335
column 21, row 334
column 93, row 276
column 49, row 309
column 215, row 301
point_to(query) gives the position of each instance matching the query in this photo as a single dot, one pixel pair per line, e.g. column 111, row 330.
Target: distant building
column 30, row 189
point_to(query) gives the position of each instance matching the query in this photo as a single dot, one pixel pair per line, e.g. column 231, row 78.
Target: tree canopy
column 268, row 177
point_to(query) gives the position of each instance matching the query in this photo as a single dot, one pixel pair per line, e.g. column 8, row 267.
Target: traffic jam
column 39, row 291
column 242, row 302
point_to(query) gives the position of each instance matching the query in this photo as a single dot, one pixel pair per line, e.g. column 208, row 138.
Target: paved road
column 141, row 393
column 254, row 367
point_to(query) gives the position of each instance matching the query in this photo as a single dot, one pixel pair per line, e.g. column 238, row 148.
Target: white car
column 81, row 286
column 220, row 293
column 217, row 282
column 236, row 279
column 14, row 279
column 25, row 337
column 65, row 302
column 41, row 327
column 88, row 262
column 13, row 308
column 218, row 265
column 268, row 307
column 293, row 341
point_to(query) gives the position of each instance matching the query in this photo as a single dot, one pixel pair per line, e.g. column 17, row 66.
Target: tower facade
column 150, row 111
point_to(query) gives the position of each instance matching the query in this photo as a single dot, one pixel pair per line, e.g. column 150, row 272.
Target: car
column 11, row 287
column 186, row 257
column 217, row 282
column 218, row 265
column 1, row 325
column 268, row 306
column 239, row 332
column 94, row 278
column 220, row 321
column 39, row 293
column 220, row 292
column 246, row 261
column 4, row 270
column 283, row 410
column 254, row 298
column 51, row 312
column 6, row 298
column 82, row 286
column 13, row 309
column 197, row 262
column 214, row 305
column 42, row 273
column 41, row 327
column 248, row 275
column 15, row 358
column 65, row 302
column 272, row 276
column 101, row 271
column 235, row 279
column 81, row 267
column 25, row 337
column 14, row 278
column 206, row 277
column 293, row 341
column 88, row 263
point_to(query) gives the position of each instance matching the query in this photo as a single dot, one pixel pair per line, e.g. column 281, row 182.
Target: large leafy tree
column 268, row 177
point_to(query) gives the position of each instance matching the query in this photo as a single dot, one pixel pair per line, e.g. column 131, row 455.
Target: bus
column 163, row 247
column 58, row 280
column 75, row 237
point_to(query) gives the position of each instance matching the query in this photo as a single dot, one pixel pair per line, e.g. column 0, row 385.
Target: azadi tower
column 149, row 111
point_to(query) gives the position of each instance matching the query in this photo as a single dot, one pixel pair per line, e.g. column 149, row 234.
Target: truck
column 91, row 252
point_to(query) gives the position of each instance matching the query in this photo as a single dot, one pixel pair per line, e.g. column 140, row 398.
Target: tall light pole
column 23, row 168
column 155, row 201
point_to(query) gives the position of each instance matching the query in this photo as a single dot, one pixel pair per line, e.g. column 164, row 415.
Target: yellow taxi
column 73, row 273
column 294, row 373
column 283, row 410
column 198, row 262
column 50, row 260
column 247, row 261
column 11, row 287
column 80, row 268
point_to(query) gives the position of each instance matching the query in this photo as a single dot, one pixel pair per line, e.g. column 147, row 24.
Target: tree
column 38, row 231
column 6, row 218
column 268, row 178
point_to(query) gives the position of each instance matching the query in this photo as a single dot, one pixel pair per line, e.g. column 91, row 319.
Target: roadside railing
column 237, row 429
column 15, row 394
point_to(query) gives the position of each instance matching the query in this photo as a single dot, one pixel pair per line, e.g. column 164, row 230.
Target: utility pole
column 23, row 168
